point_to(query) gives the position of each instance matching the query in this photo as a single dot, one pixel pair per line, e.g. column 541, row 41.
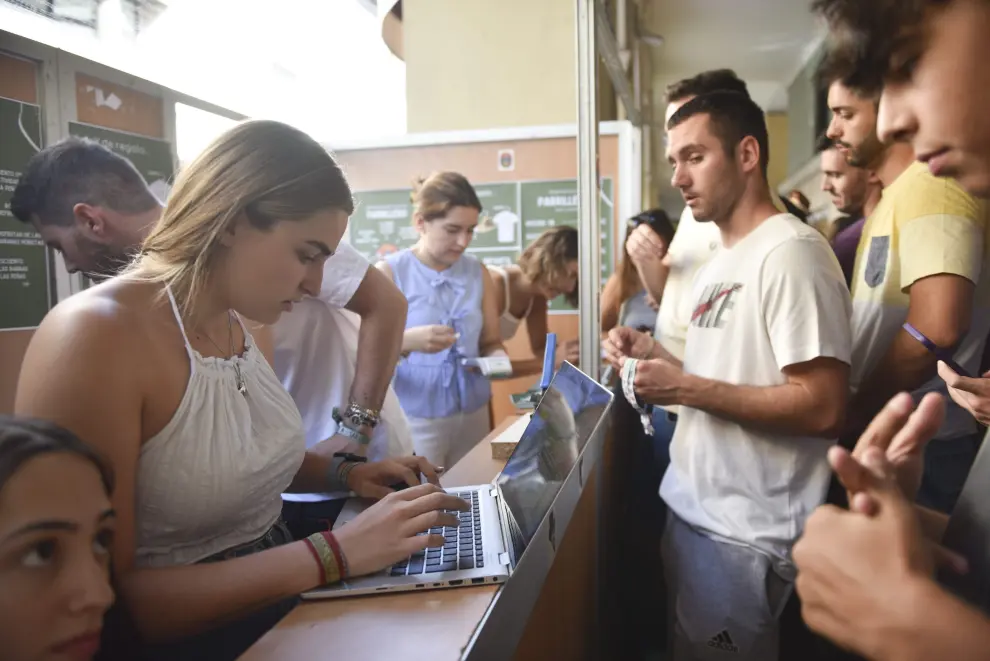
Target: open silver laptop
column 492, row 537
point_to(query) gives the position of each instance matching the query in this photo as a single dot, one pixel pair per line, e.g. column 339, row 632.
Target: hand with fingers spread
column 901, row 433
column 428, row 339
column 970, row 393
column 857, row 574
column 623, row 342
column 388, row 531
column 374, row 480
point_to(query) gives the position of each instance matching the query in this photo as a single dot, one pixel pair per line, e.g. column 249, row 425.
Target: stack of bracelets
column 326, row 550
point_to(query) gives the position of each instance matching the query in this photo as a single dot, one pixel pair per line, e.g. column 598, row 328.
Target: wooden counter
column 438, row 625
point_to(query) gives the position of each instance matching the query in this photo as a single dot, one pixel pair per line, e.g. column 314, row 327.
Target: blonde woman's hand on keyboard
column 378, row 479
column 389, row 530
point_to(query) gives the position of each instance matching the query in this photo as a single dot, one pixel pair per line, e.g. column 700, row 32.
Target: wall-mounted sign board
column 515, row 214
column 25, row 273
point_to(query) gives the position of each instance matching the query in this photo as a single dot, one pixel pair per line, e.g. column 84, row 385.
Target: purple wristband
column 942, row 354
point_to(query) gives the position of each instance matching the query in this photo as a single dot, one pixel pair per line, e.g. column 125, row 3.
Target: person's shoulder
column 470, row 263
column 919, row 193
column 794, row 244
column 108, row 314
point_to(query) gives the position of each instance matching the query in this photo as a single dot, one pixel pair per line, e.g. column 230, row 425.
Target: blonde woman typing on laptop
column 453, row 315
column 157, row 369
column 546, row 269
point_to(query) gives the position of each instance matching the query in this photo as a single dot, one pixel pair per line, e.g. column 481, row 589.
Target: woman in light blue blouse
column 453, row 314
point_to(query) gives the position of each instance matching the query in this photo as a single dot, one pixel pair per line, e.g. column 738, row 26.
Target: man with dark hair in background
column 88, row 203
column 762, row 388
column 916, row 264
column 854, row 192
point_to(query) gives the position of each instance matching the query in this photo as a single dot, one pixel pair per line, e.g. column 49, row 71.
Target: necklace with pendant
column 238, row 378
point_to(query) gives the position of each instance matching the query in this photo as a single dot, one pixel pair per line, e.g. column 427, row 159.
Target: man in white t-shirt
column 762, row 389
column 317, row 350
column 668, row 271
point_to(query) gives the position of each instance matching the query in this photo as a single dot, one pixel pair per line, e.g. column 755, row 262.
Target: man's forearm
column 929, row 623
column 906, row 366
column 653, row 275
column 784, row 409
column 379, row 345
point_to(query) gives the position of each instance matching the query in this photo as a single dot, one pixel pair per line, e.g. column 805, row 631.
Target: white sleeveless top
column 213, row 477
column 507, row 323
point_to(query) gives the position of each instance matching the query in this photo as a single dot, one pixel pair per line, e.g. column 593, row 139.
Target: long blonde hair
column 261, row 170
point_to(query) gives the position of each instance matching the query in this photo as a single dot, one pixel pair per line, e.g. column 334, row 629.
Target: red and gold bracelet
column 338, row 554
column 319, row 560
column 323, row 551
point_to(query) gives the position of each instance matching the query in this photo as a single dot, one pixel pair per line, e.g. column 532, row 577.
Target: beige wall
column 487, row 64
column 777, row 129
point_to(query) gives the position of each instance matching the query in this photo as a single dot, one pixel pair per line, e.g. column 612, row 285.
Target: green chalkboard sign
column 514, row 214
column 151, row 157
column 25, row 275
column 546, row 204
column 382, row 223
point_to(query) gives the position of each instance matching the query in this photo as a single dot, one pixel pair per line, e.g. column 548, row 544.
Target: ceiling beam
column 608, row 50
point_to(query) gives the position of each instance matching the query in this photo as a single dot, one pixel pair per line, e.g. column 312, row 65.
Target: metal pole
column 589, row 228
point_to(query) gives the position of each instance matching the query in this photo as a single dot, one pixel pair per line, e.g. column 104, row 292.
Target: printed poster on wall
column 546, row 204
column 152, row 157
column 513, row 215
column 25, row 275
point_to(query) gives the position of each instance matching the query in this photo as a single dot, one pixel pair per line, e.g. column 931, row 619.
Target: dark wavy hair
column 871, row 41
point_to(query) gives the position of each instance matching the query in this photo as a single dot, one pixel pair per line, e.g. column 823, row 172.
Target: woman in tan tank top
column 546, row 269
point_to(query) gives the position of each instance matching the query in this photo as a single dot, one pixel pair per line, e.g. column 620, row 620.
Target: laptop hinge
column 493, row 493
column 503, row 559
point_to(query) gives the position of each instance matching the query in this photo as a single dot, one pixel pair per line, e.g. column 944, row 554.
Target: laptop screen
column 561, row 425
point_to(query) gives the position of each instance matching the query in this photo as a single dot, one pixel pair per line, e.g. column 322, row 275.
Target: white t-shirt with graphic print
column 776, row 298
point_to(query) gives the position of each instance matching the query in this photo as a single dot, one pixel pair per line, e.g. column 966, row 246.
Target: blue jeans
column 947, row 464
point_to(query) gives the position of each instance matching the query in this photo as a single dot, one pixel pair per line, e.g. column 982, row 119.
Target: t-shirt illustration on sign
column 513, row 215
column 25, row 278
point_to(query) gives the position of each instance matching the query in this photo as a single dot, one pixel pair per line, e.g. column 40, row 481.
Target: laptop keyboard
column 462, row 547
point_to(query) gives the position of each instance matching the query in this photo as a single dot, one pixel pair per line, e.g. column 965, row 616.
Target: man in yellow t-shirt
column 923, row 259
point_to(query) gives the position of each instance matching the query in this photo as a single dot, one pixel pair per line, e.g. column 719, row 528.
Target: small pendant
column 239, row 380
